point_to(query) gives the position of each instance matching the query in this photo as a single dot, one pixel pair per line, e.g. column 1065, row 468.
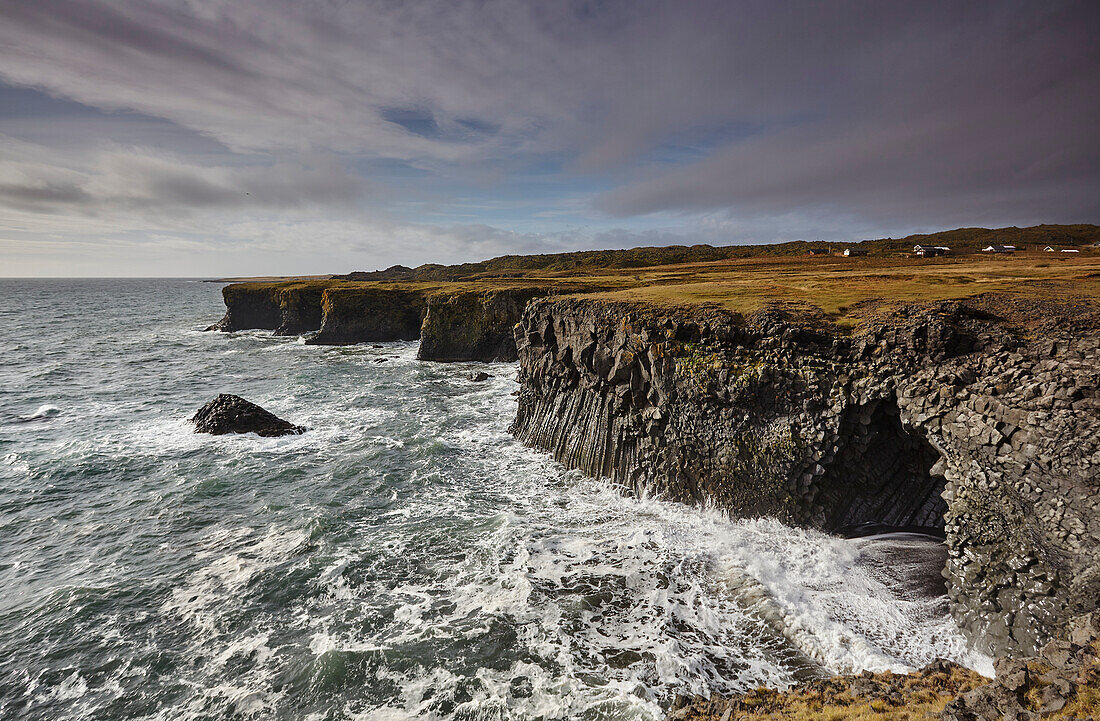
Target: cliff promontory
column 474, row 325
column 977, row 418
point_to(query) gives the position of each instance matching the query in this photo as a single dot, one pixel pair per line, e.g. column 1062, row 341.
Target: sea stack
column 232, row 414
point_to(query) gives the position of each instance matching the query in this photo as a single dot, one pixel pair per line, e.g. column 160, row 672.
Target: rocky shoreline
column 977, row 418
column 1061, row 682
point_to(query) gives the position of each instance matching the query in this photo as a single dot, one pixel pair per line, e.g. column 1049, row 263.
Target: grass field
column 745, row 278
column 840, row 286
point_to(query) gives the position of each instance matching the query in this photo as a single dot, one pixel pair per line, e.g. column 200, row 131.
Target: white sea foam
column 43, row 412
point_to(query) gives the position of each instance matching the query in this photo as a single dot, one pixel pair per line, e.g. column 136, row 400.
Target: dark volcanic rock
column 232, row 414
column 473, row 325
column 979, row 419
column 366, row 315
column 287, row 309
column 479, row 376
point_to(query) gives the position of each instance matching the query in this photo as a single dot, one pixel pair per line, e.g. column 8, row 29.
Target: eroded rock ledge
column 980, row 418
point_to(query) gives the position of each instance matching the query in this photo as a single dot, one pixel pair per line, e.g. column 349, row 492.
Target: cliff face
column 473, row 325
column 453, row 324
column 287, row 310
column 248, row 307
column 940, row 415
column 358, row 315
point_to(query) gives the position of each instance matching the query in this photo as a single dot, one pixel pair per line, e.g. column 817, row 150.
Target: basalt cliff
column 978, row 418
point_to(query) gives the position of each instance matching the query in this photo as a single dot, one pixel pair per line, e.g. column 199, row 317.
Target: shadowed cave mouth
column 882, row 476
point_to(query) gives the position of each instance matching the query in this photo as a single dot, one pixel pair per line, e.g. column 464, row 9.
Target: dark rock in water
column 479, row 376
column 232, row 414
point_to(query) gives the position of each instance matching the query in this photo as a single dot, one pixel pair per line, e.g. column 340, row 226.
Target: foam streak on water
column 405, row 558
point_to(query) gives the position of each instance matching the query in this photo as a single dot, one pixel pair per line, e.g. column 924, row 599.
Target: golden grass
column 839, row 285
column 844, row 288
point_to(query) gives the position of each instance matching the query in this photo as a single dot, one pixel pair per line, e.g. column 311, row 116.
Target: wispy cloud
column 126, row 183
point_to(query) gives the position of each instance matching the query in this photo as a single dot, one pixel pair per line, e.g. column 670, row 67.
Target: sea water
column 405, row 558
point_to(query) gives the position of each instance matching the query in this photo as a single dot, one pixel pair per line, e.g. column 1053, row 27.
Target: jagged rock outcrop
column 942, row 415
column 367, row 314
column 232, row 414
column 1061, row 681
column 473, row 325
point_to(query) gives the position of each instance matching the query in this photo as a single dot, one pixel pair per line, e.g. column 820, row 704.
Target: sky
column 249, row 137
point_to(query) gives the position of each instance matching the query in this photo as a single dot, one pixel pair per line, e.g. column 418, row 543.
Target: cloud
column 703, row 119
column 122, row 184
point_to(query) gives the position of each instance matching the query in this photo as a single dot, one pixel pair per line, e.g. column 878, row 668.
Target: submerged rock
column 232, row 414
column 479, row 376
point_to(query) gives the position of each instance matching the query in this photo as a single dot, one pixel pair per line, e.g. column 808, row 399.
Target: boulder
column 232, row 414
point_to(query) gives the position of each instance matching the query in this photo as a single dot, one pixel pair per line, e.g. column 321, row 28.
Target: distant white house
column 1048, row 249
column 1070, row 250
column 929, row 251
column 850, row 252
column 999, row 249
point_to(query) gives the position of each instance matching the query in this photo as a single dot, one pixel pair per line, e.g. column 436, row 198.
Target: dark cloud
column 128, row 182
column 31, row 196
column 981, row 113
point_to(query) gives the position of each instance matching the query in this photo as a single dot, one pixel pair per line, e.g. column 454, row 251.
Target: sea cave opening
column 881, row 475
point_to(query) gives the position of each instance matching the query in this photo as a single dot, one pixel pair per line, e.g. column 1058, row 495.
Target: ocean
column 405, row 558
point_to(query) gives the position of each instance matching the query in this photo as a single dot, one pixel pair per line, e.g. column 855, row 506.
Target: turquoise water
column 405, row 558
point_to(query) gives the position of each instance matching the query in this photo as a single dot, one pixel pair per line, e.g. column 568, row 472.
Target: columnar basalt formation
column 473, row 325
column 942, row 415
